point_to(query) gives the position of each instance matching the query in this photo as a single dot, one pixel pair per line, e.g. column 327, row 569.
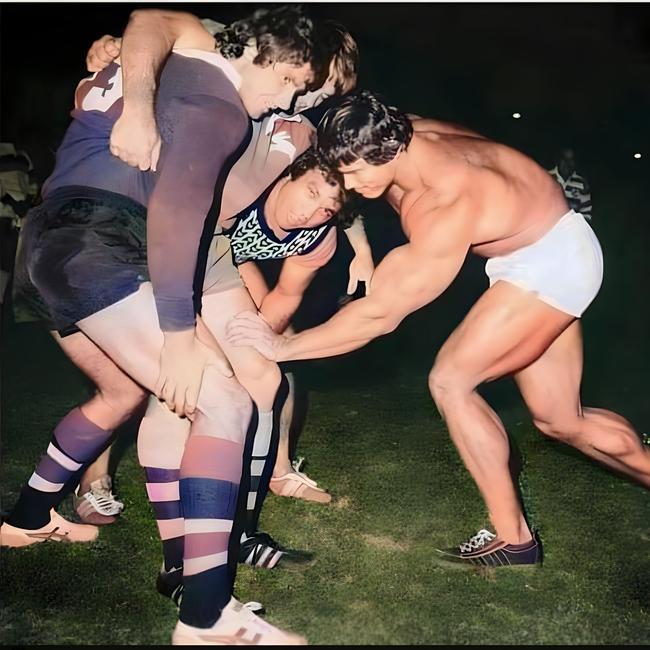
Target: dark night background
column 578, row 73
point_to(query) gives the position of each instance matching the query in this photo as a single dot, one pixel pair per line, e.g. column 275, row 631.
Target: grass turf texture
column 399, row 490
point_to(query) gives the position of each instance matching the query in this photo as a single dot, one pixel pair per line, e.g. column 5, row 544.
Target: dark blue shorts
column 81, row 250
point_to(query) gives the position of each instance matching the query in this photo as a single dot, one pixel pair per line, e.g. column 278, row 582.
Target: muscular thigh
column 129, row 334
column 550, row 385
column 506, row 330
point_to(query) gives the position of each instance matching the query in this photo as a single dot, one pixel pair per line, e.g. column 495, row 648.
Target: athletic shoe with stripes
column 170, row 584
column 237, row 625
column 486, row 549
column 98, row 506
column 263, row 552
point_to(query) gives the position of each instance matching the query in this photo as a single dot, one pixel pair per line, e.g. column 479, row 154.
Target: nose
column 348, row 181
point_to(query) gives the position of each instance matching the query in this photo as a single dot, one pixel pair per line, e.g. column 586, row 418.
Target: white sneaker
column 98, row 506
column 237, row 625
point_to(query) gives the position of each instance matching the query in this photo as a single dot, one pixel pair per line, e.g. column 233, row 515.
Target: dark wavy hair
column 312, row 158
column 364, row 127
column 342, row 49
column 283, row 34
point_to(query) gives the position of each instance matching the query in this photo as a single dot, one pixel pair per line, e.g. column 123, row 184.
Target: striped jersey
column 576, row 190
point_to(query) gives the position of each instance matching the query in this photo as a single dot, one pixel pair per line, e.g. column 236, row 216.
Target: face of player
column 265, row 89
column 307, row 202
column 315, row 97
column 371, row 181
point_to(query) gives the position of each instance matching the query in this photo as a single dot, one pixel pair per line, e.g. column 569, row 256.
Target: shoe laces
column 103, row 502
column 479, row 540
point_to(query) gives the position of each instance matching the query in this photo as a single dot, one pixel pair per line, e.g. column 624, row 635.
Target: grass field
column 400, row 490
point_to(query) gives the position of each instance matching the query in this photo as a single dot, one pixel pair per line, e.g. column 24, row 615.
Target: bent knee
column 564, row 430
column 447, row 383
column 122, row 401
column 219, row 393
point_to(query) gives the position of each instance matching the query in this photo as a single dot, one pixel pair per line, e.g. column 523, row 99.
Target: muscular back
column 511, row 200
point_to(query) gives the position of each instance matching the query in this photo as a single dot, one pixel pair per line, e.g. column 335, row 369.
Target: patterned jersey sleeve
column 322, row 253
column 202, row 133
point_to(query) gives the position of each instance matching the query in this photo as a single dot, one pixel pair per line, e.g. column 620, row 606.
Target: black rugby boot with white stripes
column 485, row 549
column 263, row 552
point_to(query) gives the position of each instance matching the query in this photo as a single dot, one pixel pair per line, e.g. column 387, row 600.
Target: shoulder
column 322, row 253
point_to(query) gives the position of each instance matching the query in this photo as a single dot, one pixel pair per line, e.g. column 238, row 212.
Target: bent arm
column 208, row 130
column 408, row 278
column 253, row 281
column 283, row 300
column 149, row 37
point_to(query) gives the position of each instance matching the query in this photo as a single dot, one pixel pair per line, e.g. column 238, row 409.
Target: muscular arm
column 148, row 39
column 408, row 278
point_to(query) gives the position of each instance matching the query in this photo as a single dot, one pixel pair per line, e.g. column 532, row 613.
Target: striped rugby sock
column 76, row 442
column 262, row 458
column 163, row 492
column 208, row 487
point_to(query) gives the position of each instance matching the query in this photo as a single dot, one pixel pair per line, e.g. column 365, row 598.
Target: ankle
column 282, row 469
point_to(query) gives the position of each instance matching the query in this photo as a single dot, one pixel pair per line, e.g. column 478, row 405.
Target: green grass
column 400, row 490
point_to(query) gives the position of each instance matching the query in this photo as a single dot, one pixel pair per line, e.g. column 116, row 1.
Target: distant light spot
column 516, row 115
column 637, row 155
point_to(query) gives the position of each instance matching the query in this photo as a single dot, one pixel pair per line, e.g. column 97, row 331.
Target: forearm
column 277, row 309
column 254, row 282
column 146, row 43
column 350, row 329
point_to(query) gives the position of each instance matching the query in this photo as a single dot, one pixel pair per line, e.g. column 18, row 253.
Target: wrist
column 179, row 339
column 140, row 106
column 362, row 250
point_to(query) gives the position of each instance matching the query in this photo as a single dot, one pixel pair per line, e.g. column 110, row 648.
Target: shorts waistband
column 70, row 192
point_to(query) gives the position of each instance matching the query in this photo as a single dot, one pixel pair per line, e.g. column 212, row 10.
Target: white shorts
column 564, row 268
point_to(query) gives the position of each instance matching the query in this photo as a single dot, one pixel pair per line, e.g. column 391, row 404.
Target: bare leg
column 507, row 329
column 207, row 482
column 551, row 388
column 81, row 435
column 95, row 471
column 282, row 462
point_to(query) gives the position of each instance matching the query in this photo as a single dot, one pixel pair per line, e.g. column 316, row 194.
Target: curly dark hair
column 312, row 158
column 364, row 127
column 283, row 34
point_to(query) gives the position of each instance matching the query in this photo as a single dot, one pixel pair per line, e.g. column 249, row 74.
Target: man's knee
column 447, row 384
column 122, row 400
column 565, row 430
column 224, row 401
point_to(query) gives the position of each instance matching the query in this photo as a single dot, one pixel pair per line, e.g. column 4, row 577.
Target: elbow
column 154, row 20
column 384, row 325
